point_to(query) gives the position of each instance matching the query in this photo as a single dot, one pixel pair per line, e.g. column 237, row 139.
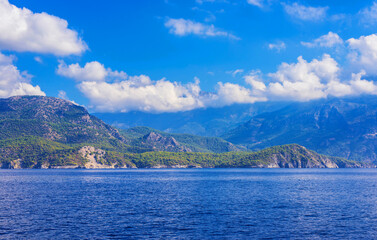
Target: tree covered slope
column 46, row 132
column 152, row 138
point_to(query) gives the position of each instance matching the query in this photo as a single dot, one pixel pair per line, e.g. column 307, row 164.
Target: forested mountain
column 152, row 138
column 337, row 127
column 53, row 119
column 36, row 131
column 46, row 132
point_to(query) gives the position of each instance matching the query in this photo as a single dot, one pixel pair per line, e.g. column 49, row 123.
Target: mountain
column 287, row 156
column 52, row 119
column 338, row 127
column 46, row 132
column 152, row 138
column 203, row 122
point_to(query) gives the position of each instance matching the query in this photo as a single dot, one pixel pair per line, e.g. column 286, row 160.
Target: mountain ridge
column 46, row 132
column 337, row 127
column 191, row 143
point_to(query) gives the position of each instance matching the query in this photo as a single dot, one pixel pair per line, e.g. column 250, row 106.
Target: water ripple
column 189, row 204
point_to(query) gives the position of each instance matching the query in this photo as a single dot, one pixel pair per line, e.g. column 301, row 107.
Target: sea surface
column 189, row 204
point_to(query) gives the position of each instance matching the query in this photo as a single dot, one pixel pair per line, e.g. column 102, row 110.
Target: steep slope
column 161, row 143
column 149, row 137
column 337, row 127
column 46, row 132
column 53, row 119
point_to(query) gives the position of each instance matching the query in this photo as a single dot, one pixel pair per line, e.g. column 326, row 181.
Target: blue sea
column 189, row 204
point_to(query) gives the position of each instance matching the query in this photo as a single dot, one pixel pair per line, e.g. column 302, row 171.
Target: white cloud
column 38, row 59
column 258, row 3
column 13, row 82
column 362, row 86
column 369, row 15
column 302, row 71
column 235, row 72
column 63, row 95
column 363, row 54
column 303, row 80
column 277, row 46
column 355, row 86
column 305, row 13
column 158, row 96
column 161, row 96
column 230, row 93
column 300, row 81
column 255, row 81
column 183, row 27
column 24, row 31
column 328, row 40
column 92, row 71
column 338, row 89
column 123, row 93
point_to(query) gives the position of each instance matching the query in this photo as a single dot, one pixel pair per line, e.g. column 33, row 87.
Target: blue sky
column 171, row 55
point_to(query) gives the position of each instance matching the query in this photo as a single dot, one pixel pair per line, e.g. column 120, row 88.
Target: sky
column 179, row 55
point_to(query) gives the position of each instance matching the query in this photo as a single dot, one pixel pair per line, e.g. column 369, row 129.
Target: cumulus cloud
column 299, row 81
column 24, row 31
column 362, row 86
column 124, row 93
column 255, row 81
column 305, row 81
column 363, row 55
column 13, row 82
column 92, row 71
column 183, row 27
column 355, row 86
column 230, row 93
column 305, row 13
column 277, row 46
column 161, row 95
column 328, row 40
column 158, row 96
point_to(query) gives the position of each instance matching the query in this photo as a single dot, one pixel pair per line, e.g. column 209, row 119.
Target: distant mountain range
column 345, row 127
column 336, row 127
column 212, row 122
column 46, row 132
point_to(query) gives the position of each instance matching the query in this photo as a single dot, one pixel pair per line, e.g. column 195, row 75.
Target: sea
column 189, row 204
